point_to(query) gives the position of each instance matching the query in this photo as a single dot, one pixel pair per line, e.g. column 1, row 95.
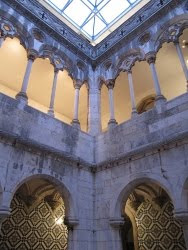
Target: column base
column 51, row 112
column 75, row 123
column 134, row 113
column 22, row 96
column 112, row 123
column 160, row 102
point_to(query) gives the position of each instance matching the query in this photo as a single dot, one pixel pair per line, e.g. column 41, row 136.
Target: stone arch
column 144, row 103
column 18, row 29
column 119, row 201
column 54, row 53
column 170, row 31
column 70, row 204
column 128, row 59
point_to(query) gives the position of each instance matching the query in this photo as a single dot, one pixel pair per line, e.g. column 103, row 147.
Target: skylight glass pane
column 82, row 13
column 89, row 27
column 117, row 6
column 77, row 11
column 58, row 3
column 99, row 26
column 89, row 3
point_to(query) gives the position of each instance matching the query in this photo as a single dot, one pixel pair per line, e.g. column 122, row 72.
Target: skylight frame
column 108, row 25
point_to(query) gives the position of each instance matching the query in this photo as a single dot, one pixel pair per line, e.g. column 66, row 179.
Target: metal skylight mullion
column 93, row 36
column 95, row 14
column 66, row 5
column 86, row 20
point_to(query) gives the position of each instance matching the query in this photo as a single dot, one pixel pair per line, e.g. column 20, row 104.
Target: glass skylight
column 93, row 17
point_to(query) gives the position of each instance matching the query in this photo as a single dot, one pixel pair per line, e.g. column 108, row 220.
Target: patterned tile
column 33, row 230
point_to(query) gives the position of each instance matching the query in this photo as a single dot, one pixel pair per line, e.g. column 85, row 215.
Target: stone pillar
column 182, row 216
column 131, row 89
column 94, row 110
column 116, row 224
column 2, row 38
column 51, row 108
column 110, row 85
column 71, row 223
column 22, row 95
column 182, row 61
column 75, row 121
column 151, row 58
column 4, row 213
column 1, row 41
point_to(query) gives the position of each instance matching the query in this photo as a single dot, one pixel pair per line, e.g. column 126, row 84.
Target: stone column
column 71, row 223
column 1, row 41
column 110, row 86
column 75, row 121
column 22, row 95
column 182, row 61
column 151, row 58
column 131, row 89
column 116, row 224
column 4, row 213
column 94, row 110
column 2, row 38
column 51, row 108
column 182, row 216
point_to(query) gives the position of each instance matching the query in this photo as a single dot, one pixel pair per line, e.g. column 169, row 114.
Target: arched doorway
column 150, row 211
column 37, row 218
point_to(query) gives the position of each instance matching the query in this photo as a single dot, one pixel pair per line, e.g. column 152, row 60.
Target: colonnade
column 110, row 83
column 151, row 60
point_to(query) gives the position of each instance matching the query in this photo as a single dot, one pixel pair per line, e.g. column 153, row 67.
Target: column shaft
column 1, row 41
column 51, row 108
column 131, row 89
column 182, row 61
column 155, row 79
column 94, row 111
column 76, row 103
column 27, row 75
column 23, row 93
column 111, row 103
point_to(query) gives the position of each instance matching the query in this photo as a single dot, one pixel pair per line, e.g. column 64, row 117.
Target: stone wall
column 150, row 148
column 28, row 124
column 147, row 130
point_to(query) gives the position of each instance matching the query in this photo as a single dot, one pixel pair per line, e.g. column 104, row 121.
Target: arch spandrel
column 71, row 210
column 170, row 31
column 119, row 199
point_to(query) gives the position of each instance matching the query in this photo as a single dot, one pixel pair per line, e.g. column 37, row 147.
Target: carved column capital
column 182, row 216
column 151, row 57
column 77, row 83
column 31, row 55
column 110, row 83
column 71, row 222
column 56, row 70
column 116, row 222
column 129, row 71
